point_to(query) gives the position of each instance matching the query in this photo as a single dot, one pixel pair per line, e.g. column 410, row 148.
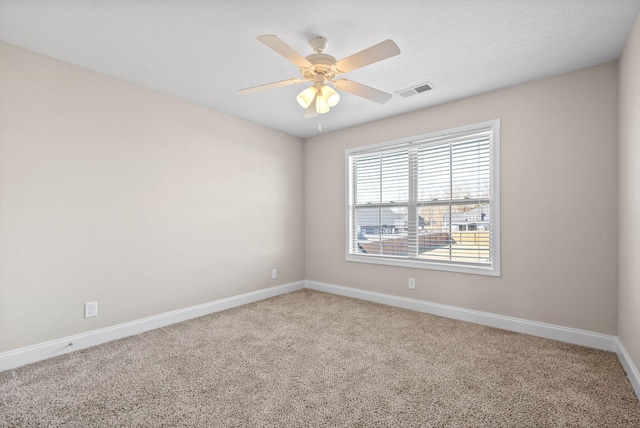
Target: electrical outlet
column 90, row 309
column 274, row 273
column 412, row 283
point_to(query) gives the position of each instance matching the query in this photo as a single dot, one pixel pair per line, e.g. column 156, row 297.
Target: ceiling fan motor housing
column 322, row 63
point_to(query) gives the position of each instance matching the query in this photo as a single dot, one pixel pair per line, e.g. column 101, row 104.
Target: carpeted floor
column 313, row 359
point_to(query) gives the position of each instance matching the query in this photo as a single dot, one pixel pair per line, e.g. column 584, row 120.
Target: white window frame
column 493, row 268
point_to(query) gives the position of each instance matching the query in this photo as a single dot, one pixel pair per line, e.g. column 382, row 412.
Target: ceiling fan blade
column 311, row 110
column 288, row 82
column 363, row 91
column 275, row 43
column 375, row 53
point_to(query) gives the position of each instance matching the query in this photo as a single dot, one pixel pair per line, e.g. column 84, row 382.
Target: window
column 429, row 202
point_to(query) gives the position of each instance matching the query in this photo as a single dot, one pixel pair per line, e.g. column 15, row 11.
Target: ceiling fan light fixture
column 330, row 96
column 311, row 110
column 305, row 98
column 321, row 104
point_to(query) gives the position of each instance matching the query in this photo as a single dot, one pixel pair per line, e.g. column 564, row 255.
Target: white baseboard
column 550, row 331
column 41, row 351
column 629, row 367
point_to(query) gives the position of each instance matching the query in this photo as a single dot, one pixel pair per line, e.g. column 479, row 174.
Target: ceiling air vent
column 423, row 87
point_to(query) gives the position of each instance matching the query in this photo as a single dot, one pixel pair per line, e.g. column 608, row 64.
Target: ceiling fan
column 321, row 69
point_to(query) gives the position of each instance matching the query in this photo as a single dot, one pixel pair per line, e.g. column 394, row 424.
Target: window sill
column 490, row 270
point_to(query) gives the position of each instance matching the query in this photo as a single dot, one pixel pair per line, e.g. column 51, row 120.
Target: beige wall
column 559, row 202
column 629, row 212
column 138, row 200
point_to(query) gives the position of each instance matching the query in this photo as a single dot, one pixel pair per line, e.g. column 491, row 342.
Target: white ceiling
column 203, row 51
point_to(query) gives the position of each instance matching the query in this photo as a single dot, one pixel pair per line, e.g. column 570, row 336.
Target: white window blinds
column 431, row 201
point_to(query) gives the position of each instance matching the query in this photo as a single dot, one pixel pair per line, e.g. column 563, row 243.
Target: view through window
column 431, row 202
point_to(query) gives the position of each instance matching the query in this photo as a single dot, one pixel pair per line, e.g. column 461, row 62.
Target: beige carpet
column 314, row 359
